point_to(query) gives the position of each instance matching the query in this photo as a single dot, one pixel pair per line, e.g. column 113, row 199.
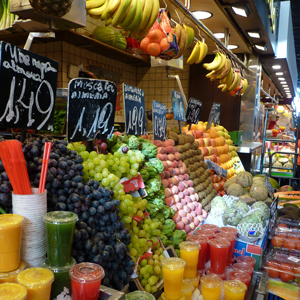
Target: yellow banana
column 225, row 69
column 214, row 64
column 228, row 79
column 93, row 4
column 236, row 81
column 182, row 43
column 147, row 9
column 245, row 85
column 113, row 5
column 222, row 64
column 97, row 11
column 105, row 13
column 138, row 18
column 203, row 52
column 194, row 55
column 225, row 88
column 198, row 60
column 129, row 15
column 120, row 12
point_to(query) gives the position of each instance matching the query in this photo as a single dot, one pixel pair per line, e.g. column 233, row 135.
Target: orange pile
column 155, row 42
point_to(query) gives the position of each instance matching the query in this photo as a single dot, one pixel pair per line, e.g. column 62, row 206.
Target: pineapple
column 56, row 8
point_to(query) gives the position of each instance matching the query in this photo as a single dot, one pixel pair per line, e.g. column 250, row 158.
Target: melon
column 229, row 182
column 105, row 35
column 244, row 179
column 259, row 193
column 120, row 42
column 235, row 190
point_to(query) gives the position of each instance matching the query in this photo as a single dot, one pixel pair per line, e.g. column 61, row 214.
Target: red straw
column 44, row 170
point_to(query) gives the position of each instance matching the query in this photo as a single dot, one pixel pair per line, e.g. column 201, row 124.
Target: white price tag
column 294, row 259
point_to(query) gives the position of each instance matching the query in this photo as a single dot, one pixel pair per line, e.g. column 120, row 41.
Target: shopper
column 273, row 124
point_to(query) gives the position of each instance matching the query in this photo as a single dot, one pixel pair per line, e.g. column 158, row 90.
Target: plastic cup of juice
column 234, row 290
column 240, row 276
column 173, row 270
column 231, row 238
column 246, row 259
column 10, row 241
column 219, row 249
column 85, row 281
column 59, row 236
column 38, row 282
column 163, row 297
column 210, row 272
column 11, row 276
column 12, row 291
column 243, row 267
column 187, row 289
column 211, row 286
column 189, row 252
column 139, row 295
column 61, row 277
column 210, row 234
column 194, row 281
column 203, row 242
column 229, row 230
column 212, row 227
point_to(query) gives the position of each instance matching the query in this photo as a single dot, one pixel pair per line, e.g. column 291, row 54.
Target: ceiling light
column 276, row 67
column 219, row 35
column 231, row 47
column 281, row 78
column 286, row 89
column 267, row 97
column 261, row 47
column 285, row 85
column 202, row 15
column 255, row 34
column 283, row 82
column 242, row 9
column 279, row 73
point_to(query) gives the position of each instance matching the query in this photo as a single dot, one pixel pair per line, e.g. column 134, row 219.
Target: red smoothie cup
column 219, row 249
column 203, row 242
column 243, row 267
column 210, row 234
column 212, row 227
column 240, row 276
column 247, row 260
column 231, row 238
column 85, row 281
column 227, row 229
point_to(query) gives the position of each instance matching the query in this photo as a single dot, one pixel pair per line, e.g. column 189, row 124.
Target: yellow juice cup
column 12, row 291
column 211, row 286
column 10, row 241
column 187, row 289
column 234, row 290
column 38, row 282
column 162, row 296
column 173, row 269
column 11, row 276
column 194, row 281
column 189, row 252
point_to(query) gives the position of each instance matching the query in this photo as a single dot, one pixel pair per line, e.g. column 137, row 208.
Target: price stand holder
column 178, row 107
column 134, row 106
column 193, row 112
column 214, row 115
column 212, row 166
column 159, row 121
column 90, row 109
column 28, row 89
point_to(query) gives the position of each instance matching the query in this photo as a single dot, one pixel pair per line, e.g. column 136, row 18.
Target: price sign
column 193, row 111
column 214, row 115
column 269, row 187
column 134, row 105
column 159, row 121
column 91, row 109
column 212, row 166
column 28, row 88
column 178, row 108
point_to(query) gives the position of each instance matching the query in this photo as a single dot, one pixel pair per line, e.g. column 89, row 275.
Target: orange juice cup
column 189, row 252
column 173, row 270
column 240, row 276
column 231, row 238
column 12, row 291
column 203, row 242
column 10, row 241
column 194, row 281
column 11, row 276
column 163, row 297
column 235, row 290
column 229, row 230
column 243, row 267
column 247, row 260
column 187, row 289
column 38, row 282
column 219, row 249
column 212, row 227
column 211, row 286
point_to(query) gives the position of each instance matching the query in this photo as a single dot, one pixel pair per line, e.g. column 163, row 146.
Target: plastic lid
column 211, row 281
column 173, row 263
column 187, row 287
column 164, row 298
column 10, row 220
column 59, row 217
column 235, row 286
column 12, row 291
column 86, row 272
column 139, row 295
column 200, row 239
column 246, row 259
column 219, row 243
column 239, row 275
column 210, row 272
column 243, row 267
column 62, row 269
column 189, row 246
column 22, row 266
column 213, row 227
column 226, row 235
column 35, row 277
column 229, row 229
column 207, row 233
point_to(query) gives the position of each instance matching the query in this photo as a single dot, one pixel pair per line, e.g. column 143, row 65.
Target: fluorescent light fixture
column 242, row 9
column 219, row 35
column 255, row 34
column 267, row 97
column 201, row 14
column 231, row 47
column 281, row 78
column 283, row 82
column 276, row 67
column 279, row 73
column 285, row 85
column 261, row 47
column 286, row 89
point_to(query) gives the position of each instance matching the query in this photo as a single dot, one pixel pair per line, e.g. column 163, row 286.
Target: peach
column 182, row 213
column 174, row 207
column 180, row 225
column 185, row 220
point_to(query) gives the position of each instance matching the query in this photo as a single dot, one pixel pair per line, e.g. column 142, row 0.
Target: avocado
column 290, row 205
column 293, row 215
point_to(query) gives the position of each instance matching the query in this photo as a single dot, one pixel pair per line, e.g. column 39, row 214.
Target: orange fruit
column 155, row 36
column 144, row 44
column 164, row 44
column 153, row 49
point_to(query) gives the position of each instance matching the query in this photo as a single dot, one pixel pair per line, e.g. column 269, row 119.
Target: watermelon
column 105, row 35
column 120, row 42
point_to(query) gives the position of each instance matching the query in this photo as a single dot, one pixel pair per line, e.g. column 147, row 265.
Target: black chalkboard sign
column 27, row 90
column 212, row 166
column 178, row 107
column 193, row 111
column 269, row 187
column 214, row 115
column 159, row 121
column 134, row 106
column 91, row 109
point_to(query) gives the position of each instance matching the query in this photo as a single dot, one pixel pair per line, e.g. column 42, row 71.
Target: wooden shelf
column 82, row 41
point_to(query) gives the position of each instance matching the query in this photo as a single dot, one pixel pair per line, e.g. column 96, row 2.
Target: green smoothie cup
column 59, row 236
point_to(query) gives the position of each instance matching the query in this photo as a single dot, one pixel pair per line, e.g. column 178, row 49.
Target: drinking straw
column 44, row 170
column 2, row 211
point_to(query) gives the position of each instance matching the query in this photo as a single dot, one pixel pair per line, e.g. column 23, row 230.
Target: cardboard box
column 254, row 249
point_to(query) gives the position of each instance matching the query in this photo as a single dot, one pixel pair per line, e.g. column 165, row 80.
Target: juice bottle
column 229, row 230
column 243, row 267
column 139, row 295
column 234, row 290
column 10, row 241
column 218, row 254
column 11, row 276
column 240, row 276
column 173, row 270
column 59, row 236
column 85, row 281
column 187, row 289
column 246, row 259
column 203, row 242
column 189, row 252
column 231, row 238
column 212, row 227
column 38, row 282
column 12, row 291
column 211, row 286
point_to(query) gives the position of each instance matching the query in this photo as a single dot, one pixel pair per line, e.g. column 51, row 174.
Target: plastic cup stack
column 33, row 244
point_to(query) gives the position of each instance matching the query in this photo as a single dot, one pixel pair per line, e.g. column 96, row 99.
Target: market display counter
column 249, row 154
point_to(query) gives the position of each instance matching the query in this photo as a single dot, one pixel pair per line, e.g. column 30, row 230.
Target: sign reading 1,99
column 134, row 105
column 178, row 108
